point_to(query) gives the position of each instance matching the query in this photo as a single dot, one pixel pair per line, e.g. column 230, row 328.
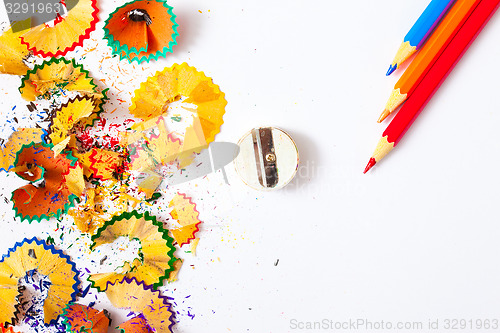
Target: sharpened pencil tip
column 391, row 70
column 384, row 115
column 370, row 165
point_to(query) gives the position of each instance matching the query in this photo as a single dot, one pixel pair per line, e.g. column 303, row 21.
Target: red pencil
column 433, row 79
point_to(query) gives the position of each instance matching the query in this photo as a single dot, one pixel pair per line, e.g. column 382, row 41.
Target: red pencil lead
column 433, row 78
column 370, row 164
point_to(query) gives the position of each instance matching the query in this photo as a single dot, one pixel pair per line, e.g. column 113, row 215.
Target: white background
column 415, row 239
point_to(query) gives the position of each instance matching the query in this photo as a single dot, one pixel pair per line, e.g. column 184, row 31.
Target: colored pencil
column 438, row 73
column 417, row 35
column 436, row 44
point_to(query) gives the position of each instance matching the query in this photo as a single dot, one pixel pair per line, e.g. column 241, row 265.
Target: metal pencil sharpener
column 268, row 158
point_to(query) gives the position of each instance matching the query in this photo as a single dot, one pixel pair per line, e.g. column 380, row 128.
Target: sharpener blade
column 265, row 156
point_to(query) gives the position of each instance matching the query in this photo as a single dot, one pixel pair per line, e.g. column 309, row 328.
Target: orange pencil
column 421, row 30
column 436, row 44
column 431, row 82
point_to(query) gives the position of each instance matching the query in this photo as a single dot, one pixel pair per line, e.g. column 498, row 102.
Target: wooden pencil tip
column 370, row 165
column 384, row 115
column 391, row 69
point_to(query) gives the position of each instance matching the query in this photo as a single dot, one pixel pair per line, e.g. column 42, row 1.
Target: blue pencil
column 422, row 29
